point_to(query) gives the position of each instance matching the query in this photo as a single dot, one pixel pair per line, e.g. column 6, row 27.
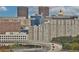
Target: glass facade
column 36, row 20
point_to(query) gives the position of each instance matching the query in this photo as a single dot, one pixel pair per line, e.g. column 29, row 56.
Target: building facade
column 56, row 26
column 22, row 11
column 44, row 10
column 9, row 24
column 13, row 37
column 64, row 26
column 10, row 29
column 40, row 33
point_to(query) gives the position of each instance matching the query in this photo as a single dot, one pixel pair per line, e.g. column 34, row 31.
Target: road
column 45, row 47
column 55, row 47
column 30, row 50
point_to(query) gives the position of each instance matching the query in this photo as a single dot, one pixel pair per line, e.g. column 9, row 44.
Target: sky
column 12, row 10
column 8, row 11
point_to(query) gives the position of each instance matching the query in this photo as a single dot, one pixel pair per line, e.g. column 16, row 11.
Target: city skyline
column 12, row 10
column 45, row 31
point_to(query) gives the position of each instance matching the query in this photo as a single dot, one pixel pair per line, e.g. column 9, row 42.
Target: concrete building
column 31, row 33
column 34, row 29
column 64, row 26
column 12, row 37
column 22, row 11
column 55, row 26
column 34, row 33
column 40, row 33
column 46, row 31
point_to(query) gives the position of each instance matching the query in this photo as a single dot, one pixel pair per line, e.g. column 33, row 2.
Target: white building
column 13, row 37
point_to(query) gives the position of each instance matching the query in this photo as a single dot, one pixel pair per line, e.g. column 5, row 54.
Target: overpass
column 44, row 45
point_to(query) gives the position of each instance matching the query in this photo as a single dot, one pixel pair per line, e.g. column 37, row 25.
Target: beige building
column 40, row 33
column 55, row 26
column 24, row 22
column 64, row 26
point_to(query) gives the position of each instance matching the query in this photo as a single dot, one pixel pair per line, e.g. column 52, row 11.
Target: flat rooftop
column 61, row 17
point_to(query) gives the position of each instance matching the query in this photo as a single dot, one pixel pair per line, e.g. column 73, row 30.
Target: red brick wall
column 7, row 26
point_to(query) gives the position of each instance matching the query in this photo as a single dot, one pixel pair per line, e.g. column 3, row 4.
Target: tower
column 22, row 11
column 44, row 11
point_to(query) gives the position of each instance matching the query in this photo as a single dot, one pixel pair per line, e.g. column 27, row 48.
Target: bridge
column 44, row 45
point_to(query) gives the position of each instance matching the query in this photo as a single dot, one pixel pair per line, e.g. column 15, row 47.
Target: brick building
column 44, row 10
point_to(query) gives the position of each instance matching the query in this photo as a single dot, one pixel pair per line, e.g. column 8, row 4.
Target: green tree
column 66, row 46
column 75, row 46
column 75, row 40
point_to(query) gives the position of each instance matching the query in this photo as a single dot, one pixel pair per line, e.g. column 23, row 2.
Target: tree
column 75, row 46
column 75, row 39
column 66, row 46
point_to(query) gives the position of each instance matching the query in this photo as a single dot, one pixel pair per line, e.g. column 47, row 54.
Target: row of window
column 65, row 24
column 12, row 36
column 11, row 40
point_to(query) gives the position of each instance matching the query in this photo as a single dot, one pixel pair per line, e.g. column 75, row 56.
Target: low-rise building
column 13, row 37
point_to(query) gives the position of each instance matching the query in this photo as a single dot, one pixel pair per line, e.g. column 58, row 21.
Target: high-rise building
column 44, row 11
column 22, row 11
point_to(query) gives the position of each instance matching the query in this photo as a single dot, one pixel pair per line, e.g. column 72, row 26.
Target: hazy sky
column 68, row 10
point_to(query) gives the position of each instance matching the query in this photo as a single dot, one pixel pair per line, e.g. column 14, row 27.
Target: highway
column 45, row 47
column 55, row 47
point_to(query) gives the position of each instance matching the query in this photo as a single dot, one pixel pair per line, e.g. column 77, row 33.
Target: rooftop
column 62, row 17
